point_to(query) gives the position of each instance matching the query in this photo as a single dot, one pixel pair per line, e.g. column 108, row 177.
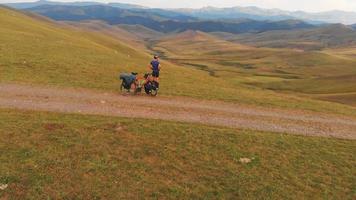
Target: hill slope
column 42, row 52
column 257, row 13
column 27, row 5
column 252, row 12
column 39, row 51
column 160, row 21
column 183, row 44
column 115, row 158
column 312, row 73
column 328, row 36
column 115, row 31
column 141, row 31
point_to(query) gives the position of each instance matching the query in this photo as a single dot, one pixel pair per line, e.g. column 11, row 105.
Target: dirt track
column 176, row 109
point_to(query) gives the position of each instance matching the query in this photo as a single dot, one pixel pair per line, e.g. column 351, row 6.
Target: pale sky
column 306, row 5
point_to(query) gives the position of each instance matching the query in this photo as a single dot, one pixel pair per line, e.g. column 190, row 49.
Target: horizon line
column 171, row 8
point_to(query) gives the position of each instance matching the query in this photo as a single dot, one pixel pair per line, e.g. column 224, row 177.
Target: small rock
column 245, row 160
column 119, row 127
column 103, row 102
column 3, row 186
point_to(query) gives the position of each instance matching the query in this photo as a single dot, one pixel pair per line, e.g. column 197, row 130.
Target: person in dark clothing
column 155, row 66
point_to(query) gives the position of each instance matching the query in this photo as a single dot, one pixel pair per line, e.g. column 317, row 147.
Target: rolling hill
column 110, row 14
column 135, row 40
column 183, row 44
column 50, row 68
column 27, row 5
column 38, row 51
column 305, row 72
column 49, row 50
column 141, row 31
column 160, row 21
column 213, row 13
column 256, row 13
column 154, row 23
column 327, row 36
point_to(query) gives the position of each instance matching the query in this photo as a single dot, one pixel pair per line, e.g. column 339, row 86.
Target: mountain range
column 246, row 25
column 27, row 5
column 326, row 36
column 166, row 22
column 335, row 16
column 213, row 13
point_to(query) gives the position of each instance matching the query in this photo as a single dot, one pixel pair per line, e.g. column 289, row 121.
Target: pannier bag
column 127, row 79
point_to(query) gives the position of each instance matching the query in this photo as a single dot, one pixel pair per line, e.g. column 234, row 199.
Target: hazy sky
column 306, row 5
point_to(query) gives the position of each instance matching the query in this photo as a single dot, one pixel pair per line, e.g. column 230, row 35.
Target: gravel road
column 177, row 109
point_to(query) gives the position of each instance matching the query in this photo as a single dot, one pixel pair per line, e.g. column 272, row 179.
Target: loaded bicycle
column 135, row 84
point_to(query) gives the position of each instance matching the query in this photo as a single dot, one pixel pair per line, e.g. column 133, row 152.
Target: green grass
column 64, row 156
column 332, row 36
column 40, row 52
column 346, row 98
column 330, row 85
column 326, row 72
column 35, row 51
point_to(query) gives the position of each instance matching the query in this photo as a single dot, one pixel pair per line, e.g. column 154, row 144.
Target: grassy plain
column 64, row 156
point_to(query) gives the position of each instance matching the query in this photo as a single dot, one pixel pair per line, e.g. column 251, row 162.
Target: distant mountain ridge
column 112, row 15
column 257, row 13
column 161, row 21
column 326, row 36
column 28, row 5
column 213, row 13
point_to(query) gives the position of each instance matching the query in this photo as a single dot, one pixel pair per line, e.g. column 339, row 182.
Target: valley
column 248, row 108
column 113, row 56
column 311, row 73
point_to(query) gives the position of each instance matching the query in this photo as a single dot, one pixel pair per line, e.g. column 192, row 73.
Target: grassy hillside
column 41, row 52
column 316, row 72
column 38, row 51
column 327, row 36
column 63, row 156
column 166, row 21
column 57, row 156
column 112, row 31
column 198, row 46
column 141, row 31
